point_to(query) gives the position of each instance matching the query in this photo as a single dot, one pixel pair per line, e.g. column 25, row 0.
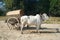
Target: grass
column 2, row 18
column 51, row 20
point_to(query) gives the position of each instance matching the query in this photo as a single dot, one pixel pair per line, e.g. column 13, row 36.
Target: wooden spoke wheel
column 12, row 22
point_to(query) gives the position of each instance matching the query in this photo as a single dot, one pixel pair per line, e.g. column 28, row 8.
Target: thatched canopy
column 15, row 12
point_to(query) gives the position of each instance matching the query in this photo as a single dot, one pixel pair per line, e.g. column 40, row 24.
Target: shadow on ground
column 41, row 30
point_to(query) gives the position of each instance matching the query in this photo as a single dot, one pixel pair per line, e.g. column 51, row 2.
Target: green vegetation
column 55, row 7
column 51, row 7
column 53, row 20
column 9, row 4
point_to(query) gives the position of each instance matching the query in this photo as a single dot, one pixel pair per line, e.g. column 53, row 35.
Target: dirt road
column 6, row 34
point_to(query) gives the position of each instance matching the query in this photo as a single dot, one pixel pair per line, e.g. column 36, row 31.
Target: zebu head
column 44, row 16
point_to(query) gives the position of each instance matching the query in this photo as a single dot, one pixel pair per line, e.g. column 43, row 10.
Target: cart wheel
column 12, row 22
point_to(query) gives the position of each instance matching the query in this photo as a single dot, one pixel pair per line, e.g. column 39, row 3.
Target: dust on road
column 6, row 34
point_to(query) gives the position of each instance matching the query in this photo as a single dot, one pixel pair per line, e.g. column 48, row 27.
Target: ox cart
column 26, row 20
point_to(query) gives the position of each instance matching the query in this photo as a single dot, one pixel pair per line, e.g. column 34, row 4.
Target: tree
column 55, row 7
column 36, row 6
column 9, row 4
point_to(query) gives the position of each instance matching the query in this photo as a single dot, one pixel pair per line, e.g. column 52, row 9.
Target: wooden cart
column 14, row 20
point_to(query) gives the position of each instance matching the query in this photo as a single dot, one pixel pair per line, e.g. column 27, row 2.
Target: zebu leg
column 40, row 26
column 37, row 27
column 21, row 29
column 27, row 26
column 22, row 26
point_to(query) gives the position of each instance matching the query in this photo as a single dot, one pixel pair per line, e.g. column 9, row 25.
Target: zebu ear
column 45, row 16
column 39, row 13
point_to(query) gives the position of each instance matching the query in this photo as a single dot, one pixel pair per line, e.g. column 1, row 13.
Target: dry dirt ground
column 48, row 32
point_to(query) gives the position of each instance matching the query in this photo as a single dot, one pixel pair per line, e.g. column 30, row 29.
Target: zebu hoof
column 27, row 27
column 21, row 32
column 57, row 30
column 37, row 31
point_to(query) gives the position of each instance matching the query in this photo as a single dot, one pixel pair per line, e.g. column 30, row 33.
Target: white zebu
column 33, row 20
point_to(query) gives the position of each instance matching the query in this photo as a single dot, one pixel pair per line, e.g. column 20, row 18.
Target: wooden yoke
column 21, row 13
